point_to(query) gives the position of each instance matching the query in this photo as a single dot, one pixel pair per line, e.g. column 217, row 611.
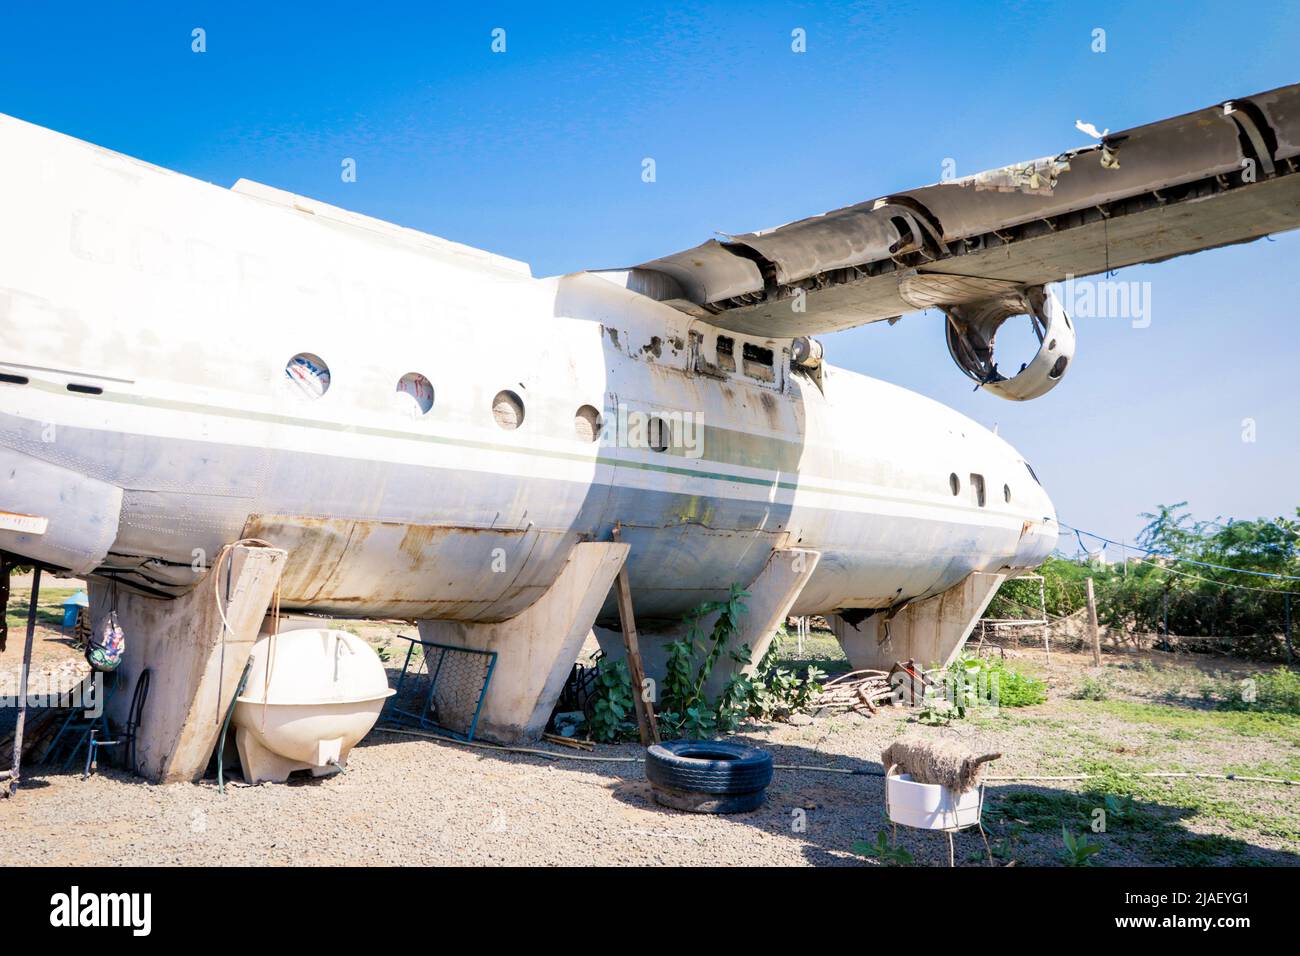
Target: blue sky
column 536, row 153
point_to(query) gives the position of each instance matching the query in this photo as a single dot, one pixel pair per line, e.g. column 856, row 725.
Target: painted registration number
column 23, row 524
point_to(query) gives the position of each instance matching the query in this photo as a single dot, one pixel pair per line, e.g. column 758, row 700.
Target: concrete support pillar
column 194, row 662
column 772, row 594
column 931, row 632
column 536, row 649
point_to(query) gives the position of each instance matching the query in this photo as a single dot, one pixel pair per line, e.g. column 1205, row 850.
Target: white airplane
column 431, row 433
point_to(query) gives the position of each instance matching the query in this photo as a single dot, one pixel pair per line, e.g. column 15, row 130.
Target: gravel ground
column 407, row 800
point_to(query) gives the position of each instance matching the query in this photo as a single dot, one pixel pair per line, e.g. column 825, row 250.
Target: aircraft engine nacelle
column 973, row 326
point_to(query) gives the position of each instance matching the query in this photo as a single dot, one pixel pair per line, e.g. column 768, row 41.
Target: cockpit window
column 1030, row 469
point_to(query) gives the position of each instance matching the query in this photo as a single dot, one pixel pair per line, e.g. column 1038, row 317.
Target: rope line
column 1008, row 778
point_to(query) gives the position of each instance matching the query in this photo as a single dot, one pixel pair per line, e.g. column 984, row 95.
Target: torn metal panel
column 1212, row 177
column 1280, row 112
column 1037, row 177
column 709, row 273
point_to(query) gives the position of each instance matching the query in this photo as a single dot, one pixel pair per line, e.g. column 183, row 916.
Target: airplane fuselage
column 146, row 414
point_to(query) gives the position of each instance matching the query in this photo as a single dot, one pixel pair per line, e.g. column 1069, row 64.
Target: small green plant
column 882, row 852
column 613, row 703
column 1079, row 850
column 938, row 712
column 1119, row 807
column 1091, row 688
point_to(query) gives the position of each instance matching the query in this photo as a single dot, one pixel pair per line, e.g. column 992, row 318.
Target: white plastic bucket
column 929, row 806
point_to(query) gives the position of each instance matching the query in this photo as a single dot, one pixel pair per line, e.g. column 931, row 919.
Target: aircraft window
column 85, row 389
column 13, row 379
column 1006, row 493
column 658, row 434
column 758, row 362
column 726, row 353
column 1030, row 469
column 310, row 373
column 954, row 483
column 414, row 394
column 587, row 423
column 977, row 486
column 508, row 410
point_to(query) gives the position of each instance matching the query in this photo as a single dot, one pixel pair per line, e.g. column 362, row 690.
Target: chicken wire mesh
column 441, row 688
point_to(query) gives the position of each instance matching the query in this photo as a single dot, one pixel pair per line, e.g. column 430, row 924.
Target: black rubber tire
column 708, row 802
column 708, row 766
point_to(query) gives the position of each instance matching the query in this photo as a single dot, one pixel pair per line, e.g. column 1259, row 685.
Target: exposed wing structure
column 1222, row 175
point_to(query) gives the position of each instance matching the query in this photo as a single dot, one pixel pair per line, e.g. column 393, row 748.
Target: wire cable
column 1169, row 557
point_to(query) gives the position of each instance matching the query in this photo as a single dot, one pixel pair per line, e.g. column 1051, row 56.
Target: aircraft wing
column 1225, row 174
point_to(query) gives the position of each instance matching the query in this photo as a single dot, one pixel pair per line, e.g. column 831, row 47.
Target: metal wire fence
column 441, row 688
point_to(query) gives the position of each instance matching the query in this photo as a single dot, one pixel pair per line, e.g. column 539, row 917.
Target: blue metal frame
column 395, row 715
column 82, row 727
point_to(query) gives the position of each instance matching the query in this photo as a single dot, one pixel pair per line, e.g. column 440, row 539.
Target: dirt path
column 416, row 801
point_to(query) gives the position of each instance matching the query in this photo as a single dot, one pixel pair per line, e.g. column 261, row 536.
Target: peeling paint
column 1037, row 177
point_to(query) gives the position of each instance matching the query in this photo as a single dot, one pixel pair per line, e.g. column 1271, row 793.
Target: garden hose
column 225, row 725
column 134, row 717
column 847, row 771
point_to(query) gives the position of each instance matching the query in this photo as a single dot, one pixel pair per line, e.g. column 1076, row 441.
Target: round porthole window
column 414, row 394
column 310, row 373
column 508, row 410
column 587, row 423
column 954, row 483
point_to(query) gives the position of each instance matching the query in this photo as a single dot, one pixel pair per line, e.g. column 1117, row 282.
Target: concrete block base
column 931, row 632
column 194, row 662
column 772, row 594
column 536, row 649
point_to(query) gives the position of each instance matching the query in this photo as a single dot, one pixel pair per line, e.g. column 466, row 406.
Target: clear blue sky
column 536, row 153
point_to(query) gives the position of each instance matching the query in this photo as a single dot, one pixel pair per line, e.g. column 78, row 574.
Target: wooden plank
column 22, row 681
column 645, row 715
column 1092, row 626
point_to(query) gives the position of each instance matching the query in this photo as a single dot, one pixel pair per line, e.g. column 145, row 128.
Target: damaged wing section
column 1221, row 175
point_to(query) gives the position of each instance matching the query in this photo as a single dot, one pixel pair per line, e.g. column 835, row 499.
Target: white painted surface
column 312, row 694
column 928, row 806
column 174, row 305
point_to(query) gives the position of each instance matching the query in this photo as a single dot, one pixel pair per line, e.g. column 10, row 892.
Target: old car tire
column 708, row 776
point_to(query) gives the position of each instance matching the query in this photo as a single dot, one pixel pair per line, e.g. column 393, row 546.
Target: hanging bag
column 104, row 650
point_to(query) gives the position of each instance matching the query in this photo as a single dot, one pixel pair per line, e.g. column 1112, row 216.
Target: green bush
column 613, row 703
column 1194, row 599
column 1091, row 688
column 1275, row 691
column 980, row 680
column 684, row 709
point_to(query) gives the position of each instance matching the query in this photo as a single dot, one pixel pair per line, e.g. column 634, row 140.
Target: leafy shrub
column 976, row 680
column 1276, row 691
column 1092, row 688
column 613, row 703
column 684, row 709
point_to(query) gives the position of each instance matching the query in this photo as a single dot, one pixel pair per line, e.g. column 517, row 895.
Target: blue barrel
column 72, row 607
